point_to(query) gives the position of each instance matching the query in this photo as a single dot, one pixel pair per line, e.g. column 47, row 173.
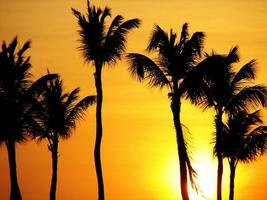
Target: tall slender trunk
column 218, row 122
column 176, row 108
column 15, row 191
column 98, row 85
column 54, row 152
column 232, row 179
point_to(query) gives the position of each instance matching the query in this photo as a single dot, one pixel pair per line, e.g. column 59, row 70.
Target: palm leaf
column 143, row 67
column 233, row 56
column 114, row 25
column 246, row 73
column 38, row 86
column 255, row 144
column 78, row 110
column 106, row 13
column 193, row 48
column 248, row 98
column 72, row 97
column 184, row 36
column 158, row 39
column 114, row 46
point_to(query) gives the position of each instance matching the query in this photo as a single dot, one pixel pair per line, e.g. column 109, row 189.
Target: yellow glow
column 139, row 150
column 206, row 180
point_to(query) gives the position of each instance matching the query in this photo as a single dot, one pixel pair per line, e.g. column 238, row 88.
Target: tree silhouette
column 56, row 116
column 14, row 83
column 102, row 45
column 244, row 140
column 214, row 83
column 173, row 62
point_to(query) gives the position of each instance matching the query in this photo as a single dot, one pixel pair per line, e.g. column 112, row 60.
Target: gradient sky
column 139, row 152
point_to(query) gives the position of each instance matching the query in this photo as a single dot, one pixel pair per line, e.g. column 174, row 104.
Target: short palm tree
column 215, row 84
column 55, row 118
column 102, row 45
column 14, row 83
column 174, row 60
column 244, row 140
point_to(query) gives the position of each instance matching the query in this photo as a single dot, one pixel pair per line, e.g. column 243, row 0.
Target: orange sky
column 139, row 149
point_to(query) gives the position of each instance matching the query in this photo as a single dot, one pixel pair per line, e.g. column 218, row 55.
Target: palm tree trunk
column 218, row 122
column 15, row 191
column 97, row 156
column 219, row 177
column 176, row 106
column 232, row 179
column 54, row 152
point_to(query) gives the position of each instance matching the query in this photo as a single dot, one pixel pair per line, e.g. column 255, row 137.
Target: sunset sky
column 139, row 152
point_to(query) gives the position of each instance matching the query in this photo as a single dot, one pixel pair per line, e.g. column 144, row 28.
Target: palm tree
column 102, row 45
column 56, row 116
column 14, row 83
column 244, row 140
column 214, row 83
column 175, row 59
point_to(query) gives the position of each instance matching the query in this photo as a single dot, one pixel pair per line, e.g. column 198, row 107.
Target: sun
column 166, row 183
column 206, row 179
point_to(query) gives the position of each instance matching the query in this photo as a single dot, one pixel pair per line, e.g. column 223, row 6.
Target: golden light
column 206, row 179
column 167, row 180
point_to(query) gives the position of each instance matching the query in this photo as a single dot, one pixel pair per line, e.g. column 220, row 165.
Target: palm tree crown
column 245, row 137
column 58, row 111
column 244, row 140
column 220, row 86
column 174, row 58
column 99, row 43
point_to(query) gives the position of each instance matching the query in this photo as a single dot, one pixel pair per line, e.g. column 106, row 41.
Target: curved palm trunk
column 218, row 122
column 176, row 107
column 232, row 179
column 15, row 191
column 54, row 152
column 98, row 85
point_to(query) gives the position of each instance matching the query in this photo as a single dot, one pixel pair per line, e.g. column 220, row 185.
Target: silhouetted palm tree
column 173, row 62
column 14, row 83
column 214, row 83
column 102, row 45
column 244, row 140
column 56, row 116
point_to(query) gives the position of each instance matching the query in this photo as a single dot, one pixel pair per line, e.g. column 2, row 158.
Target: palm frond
column 184, row 35
column 91, row 32
column 12, row 46
column 254, row 145
column 233, row 56
column 77, row 112
column 193, row 47
column 143, row 67
column 106, row 13
column 187, row 154
column 38, row 86
column 114, row 45
column 114, row 25
column 72, row 97
column 158, row 38
column 247, row 98
column 247, row 72
column 24, row 48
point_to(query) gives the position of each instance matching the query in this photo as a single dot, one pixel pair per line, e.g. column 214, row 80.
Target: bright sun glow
column 206, row 170
column 167, row 181
column 206, row 178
